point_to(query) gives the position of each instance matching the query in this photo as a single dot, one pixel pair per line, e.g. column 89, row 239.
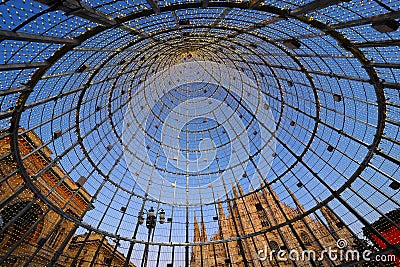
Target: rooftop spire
column 235, row 192
column 203, row 231
column 196, row 229
column 334, row 223
column 221, row 211
column 330, row 217
column 299, row 206
column 268, row 190
column 240, row 189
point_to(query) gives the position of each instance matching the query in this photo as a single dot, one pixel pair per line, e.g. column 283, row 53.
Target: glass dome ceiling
column 203, row 109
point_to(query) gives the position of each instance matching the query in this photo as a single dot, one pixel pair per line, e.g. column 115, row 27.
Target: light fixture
column 337, row 97
column 81, row 181
column 162, row 216
column 83, row 68
column 57, row 134
column 330, row 148
column 151, row 222
column 395, row 185
column 151, row 212
column 292, row 44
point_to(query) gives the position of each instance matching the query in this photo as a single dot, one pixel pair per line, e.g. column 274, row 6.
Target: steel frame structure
column 226, row 39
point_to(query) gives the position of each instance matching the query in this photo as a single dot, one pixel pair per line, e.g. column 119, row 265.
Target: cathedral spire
column 270, row 191
column 196, row 229
column 203, row 231
column 330, row 217
column 221, row 211
column 240, row 189
column 235, row 192
column 338, row 228
column 299, row 206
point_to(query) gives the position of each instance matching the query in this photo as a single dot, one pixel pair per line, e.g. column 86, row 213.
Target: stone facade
column 93, row 248
column 29, row 228
column 261, row 211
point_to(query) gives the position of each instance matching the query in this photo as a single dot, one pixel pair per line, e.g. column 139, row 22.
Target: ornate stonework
column 35, row 230
column 95, row 249
column 260, row 211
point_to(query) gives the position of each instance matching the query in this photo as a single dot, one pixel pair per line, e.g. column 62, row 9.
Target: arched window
column 24, row 221
column 305, row 238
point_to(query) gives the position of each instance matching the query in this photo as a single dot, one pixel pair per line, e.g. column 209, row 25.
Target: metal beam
column 221, row 17
column 14, row 90
column 20, row 36
column 142, row 34
column 383, row 43
column 6, row 114
column 368, row 20
column 391, row 85
column 154, row 6
column 78, row 9
column 218, row 20
column 95, row 49
column 313, row 6
column 316, row 72
column 74, row 7
column 20, row 66
column 255, row 3
column 261, row 24
column 385, row 65
column 310, row 7
column 176, row 19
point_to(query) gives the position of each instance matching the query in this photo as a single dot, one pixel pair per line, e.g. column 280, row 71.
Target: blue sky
column 52, row 106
